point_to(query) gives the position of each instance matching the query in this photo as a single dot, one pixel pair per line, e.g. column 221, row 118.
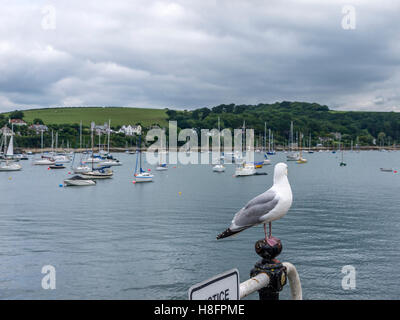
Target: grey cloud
column 187, row 54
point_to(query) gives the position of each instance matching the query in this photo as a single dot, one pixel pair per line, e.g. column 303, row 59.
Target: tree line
column 365, row 128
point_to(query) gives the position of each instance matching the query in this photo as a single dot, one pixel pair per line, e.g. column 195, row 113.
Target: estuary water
column 119, row 240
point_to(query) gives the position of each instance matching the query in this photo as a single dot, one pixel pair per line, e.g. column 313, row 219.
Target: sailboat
column 270, row 152
column 162, row 165
column 141, row 176
column 44, row 160
column 82, row 167
column 103, row 172
column 266, row 160
column 292, row 156
column 301, row 159
column 10, row 165
column 110, row 160
column 342, row 163
column 219, row 167
column 243, row 168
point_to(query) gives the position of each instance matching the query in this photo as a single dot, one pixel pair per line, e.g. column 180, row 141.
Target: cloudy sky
column 188, row 54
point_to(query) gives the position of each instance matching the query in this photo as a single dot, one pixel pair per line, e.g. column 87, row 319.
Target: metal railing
column 262, row 280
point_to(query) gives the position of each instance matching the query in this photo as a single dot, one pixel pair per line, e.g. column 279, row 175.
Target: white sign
column 222, row 287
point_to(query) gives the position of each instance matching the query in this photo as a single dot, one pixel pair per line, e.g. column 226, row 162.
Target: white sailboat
column 44, row 160
column 141, row 176
column 301, row 159
column 81, row 168
column 245, row 169
column 162, row 165
column 219, row 167
column 97, row 173
column 292, row 156
column 266, row 160
column 9, row 164
column 270, row 143
column 110, row 160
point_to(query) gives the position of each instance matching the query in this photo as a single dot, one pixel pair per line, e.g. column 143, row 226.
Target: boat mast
column 269, row 140
column 140, row 153
column 56, row 141
column 108, row 142
column 92, row 138
column 80, row 135
column 299, row 145
column 41, row 140
column 272, row 143
column 219, row 141
column 291, row 135
column 265, row 136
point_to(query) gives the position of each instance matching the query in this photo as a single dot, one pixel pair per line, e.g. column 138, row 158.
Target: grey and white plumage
column 271, row 205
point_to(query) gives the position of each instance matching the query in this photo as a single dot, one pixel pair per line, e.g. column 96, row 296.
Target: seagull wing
column 256, row 208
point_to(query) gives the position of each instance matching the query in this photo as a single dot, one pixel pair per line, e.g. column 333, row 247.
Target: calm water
column 118, row 240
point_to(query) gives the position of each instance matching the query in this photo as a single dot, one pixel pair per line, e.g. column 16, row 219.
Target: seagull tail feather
column 227, row 233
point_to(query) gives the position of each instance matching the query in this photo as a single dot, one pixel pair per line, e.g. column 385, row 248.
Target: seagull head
column 280, row 171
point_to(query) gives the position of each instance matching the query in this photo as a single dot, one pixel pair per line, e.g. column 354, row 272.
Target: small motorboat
column 57, row 166
column 81, row 169
column 10, row 166
column 292, row 157
column 162, row 167
column 111, row 162
column 79, row 181
column 245, row 169
column 301, row 160
column 219, row 168
column 259, row 165
column 266, row 160
column 98, row 173
column 386, row 169
column 61, row 158
column 44, row 162
column 21, row 156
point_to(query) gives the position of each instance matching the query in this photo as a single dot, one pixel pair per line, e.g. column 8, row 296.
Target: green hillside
column 118, row 115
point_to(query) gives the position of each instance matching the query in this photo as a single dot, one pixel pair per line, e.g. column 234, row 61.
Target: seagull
column 271, row 205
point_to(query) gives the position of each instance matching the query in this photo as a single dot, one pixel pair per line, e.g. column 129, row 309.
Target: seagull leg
column 265, row 232
column 270, row 230
column 272, row 241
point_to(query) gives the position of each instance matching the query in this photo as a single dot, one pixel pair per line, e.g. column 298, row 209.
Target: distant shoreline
column 117, row 149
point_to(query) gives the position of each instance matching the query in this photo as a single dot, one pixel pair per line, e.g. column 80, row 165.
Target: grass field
column 100, row 115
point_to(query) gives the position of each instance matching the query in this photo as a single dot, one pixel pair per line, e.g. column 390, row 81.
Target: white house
column 130, row 130
column 17, row 122
column 39, row 128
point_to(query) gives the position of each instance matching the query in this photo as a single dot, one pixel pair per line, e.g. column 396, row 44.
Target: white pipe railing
column 262, row 280
column 294, row 281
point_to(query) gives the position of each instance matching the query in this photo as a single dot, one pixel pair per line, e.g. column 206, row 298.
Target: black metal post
column 272, row 267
